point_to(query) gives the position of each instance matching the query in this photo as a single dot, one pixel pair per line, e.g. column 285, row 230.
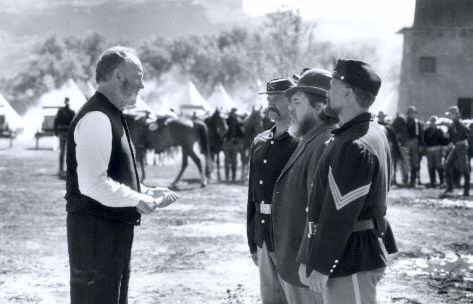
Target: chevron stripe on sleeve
column 343, row 200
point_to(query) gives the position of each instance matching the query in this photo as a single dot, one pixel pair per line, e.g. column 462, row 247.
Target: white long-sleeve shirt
column 93, row 138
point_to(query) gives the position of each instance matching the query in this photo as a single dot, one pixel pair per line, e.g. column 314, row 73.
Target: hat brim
column 309, row 89
column 272, row 92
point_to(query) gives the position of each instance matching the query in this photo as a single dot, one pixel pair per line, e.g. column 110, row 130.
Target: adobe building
column 437, row 61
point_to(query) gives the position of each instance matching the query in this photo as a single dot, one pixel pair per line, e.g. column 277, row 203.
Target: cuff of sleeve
column 323, row 268
column 145, row 198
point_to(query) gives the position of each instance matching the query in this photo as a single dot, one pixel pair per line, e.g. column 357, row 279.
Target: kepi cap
column 278, row 85
column 357, row 73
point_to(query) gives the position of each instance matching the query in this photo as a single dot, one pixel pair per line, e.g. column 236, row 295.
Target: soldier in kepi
column 435, row 142
column 458, row 155
column 62, row 121
column 268, row 155
column 348, row 237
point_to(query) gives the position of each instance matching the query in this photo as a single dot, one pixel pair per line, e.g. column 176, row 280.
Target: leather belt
column 359, row 226
column 461, row 142
column 364, row 225
column 434, row 148
column 264, row 208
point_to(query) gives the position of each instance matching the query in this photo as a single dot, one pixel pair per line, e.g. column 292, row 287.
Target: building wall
column 433, row 93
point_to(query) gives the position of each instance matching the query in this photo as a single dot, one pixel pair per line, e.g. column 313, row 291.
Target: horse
column 217, row 127
column 252, row 126
column 165, row 132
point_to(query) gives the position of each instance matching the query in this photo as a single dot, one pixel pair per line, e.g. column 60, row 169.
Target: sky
column 351, row 21
column 345, row 19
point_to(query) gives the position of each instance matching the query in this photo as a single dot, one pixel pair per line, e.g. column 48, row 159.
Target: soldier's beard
column 301, row 127
column 128, row 93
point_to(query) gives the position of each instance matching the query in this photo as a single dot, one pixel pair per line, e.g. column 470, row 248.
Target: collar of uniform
column 269, row 134
column 363, row 117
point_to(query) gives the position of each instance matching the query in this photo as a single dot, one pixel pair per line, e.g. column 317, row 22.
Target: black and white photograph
column 236, row 151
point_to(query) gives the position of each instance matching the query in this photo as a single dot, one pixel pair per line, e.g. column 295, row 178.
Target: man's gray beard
column 299, row 129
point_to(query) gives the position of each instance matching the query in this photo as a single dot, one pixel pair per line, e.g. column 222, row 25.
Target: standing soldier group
column 448, row 153
column 315, row 224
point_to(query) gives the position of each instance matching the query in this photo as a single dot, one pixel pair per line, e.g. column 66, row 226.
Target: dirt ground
column 195, row 251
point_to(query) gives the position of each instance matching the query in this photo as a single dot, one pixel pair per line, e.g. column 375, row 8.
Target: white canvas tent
column 9, row 118
column 220, row 99
column 175, row 92
column 41, row 116
column 189, row 100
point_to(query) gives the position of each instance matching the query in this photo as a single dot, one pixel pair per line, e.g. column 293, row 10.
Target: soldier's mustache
column 274, row 110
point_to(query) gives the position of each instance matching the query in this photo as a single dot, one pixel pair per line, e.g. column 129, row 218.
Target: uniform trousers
column 434, row 162
column 414, row 160
column 62, row 149
column 358, row 288
column 274, row 289
column 99, row 259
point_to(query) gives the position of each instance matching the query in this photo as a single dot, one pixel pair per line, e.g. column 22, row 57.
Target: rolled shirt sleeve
column 93, row 138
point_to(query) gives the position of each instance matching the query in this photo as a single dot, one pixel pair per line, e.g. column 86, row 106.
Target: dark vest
column 121, row 167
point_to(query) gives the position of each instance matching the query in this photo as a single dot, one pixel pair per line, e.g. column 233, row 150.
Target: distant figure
column 458, row 156
column 415, row 142
column 382, row 118
column 434, row 142
column 232, row 144
column 62, row 121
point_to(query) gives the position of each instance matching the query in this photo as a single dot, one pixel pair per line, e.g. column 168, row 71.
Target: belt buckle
column 265, row 208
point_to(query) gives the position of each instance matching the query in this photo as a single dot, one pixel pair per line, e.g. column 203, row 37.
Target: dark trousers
column 458, row 159
column 62, row 150
column 99, row 259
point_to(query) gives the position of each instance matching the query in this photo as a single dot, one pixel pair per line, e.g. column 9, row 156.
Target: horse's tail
column 203, row 133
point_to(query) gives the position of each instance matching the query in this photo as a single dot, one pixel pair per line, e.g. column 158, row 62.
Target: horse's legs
column 196, row 159
column 218, row 166
column 244, row 163
column 183, row 167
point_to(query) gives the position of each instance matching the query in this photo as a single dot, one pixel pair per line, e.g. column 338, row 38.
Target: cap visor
column 308, row 89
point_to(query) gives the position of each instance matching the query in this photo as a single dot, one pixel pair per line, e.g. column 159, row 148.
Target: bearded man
column 307, row 101
column 105, row 199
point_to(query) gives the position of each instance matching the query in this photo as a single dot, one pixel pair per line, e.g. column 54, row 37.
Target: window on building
column 427, row 64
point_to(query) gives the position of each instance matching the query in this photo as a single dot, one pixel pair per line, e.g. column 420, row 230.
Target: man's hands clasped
column 158, row 197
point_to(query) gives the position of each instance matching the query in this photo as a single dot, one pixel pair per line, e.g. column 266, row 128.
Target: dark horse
column 252, row 125
column 217, row 127
column 166, row 132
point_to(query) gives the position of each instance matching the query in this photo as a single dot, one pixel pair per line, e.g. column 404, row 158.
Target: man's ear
column 118, row 74
column 319, row 107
